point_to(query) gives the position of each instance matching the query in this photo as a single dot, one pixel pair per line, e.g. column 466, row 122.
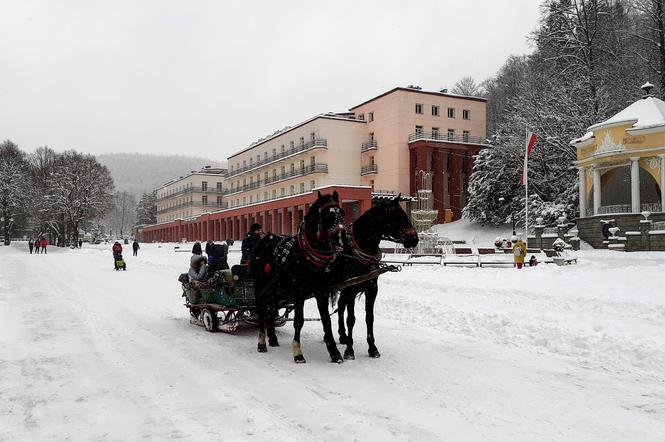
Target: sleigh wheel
column 209, row 320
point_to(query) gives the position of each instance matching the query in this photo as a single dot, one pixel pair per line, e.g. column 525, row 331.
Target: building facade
column 376, row 148
column 621, row 164
column 410, row 130
column 191, row 195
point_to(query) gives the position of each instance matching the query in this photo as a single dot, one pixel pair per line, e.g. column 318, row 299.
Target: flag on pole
column 531, row 141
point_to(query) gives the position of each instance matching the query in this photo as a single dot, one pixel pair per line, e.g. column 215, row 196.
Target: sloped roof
column 647, row 113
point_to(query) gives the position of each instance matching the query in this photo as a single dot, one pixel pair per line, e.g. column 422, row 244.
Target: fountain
column 424, row 216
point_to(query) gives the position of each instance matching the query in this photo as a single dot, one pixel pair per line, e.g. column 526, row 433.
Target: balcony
column 313, row 144
column 439, row 136
column 370, row 168
column 191, row 190
column 624, row 209
column 370, row 145
column 307, row 170
column 212, row 205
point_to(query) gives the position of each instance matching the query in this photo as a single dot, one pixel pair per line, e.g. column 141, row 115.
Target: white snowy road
column 549, row 353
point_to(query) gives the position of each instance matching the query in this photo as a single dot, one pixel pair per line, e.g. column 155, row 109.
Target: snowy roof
column 647, row 113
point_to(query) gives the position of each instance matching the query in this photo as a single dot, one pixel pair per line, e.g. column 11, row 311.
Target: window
column 361, row 116
column 265, row 195
column 204, row 199
column 265, row 177
column 371, row 183
column 302, row 164
column 293, row 167
column 274, row 193
column 465, row 135
column 370, row 117
column 244, row 182
column 451, row 134
column 291, row 189
column 244, row 163
column 204, row 186
column 283, row 170
column 251, row 199
column 312, row 161
column 282, row 191
column 291, row 145
column 251, row 161
column 274, row 152
column 251, row 180
column 312, row 136
column 312, row 184
column 371, row 160
column 451, row 112
column 302, row 140
column 371, row 136
column 219, row 187
column 435, row 133
column 274, row 173
column 265, row 156
column 219, row 200
column 435, row 111
column 244, row 200
column 466, row 114
column 302, row 187
column 282, row 148
column 419, row 130
column 419, row 108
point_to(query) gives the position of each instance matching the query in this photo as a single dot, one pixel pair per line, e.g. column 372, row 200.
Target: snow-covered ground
column 544, row 353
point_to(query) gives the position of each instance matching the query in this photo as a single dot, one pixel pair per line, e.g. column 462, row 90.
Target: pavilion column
column 662, row 183
column 285, row 222
column 456, row 186
column 582, row 186
column 438, row 183
column 294, row 219
column 635, row 184
column 596, row 191
column 273, row 221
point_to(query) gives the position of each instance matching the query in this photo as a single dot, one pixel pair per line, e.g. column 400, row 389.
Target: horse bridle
column 317, row 257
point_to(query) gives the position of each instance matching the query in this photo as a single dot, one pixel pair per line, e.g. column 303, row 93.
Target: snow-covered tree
column 14, row 185
column 146, row 210
column 80, row 190
column 121, row 216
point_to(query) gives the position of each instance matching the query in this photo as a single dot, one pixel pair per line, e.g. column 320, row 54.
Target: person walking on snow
column 44, row 243
column 196, row 250
column 135, row 247
column 519, row 251
column 38, row 244
column 117, row 252
column 30, row 245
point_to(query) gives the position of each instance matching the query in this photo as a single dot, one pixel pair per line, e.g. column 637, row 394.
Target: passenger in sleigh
column 198, row 271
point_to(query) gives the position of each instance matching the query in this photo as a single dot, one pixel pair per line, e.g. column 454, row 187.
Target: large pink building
column 374, row 149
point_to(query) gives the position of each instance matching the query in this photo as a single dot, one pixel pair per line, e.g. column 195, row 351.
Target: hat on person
column 255, row 227
column 513, row 238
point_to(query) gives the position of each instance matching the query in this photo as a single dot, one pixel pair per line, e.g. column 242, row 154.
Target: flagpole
column 526, row 188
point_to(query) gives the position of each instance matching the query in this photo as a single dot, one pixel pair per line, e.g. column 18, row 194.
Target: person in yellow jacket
column 519, row 252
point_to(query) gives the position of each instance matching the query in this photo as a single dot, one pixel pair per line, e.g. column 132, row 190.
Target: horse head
column 394, row 223
column 324, row 222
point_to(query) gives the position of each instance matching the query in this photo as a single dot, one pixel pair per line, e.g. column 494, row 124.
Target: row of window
column 436, row 133
column 312, row 162
column 177, row 189
column 293, row 190
column 292, row 145
column 466, row 113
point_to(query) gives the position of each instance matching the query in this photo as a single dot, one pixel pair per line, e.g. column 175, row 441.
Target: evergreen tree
column 146, row 210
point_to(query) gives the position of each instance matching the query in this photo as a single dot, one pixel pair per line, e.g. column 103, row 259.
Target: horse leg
column 272, row 337
column 329, row 339
column 350, row 322
column 341, row 306
column 262, row 328
column 298, row 322
column 370, row 297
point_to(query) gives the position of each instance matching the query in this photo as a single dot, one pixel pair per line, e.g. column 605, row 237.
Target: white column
column 635, row 184
column 582, row 172
column 596, row 191
column 662, row 183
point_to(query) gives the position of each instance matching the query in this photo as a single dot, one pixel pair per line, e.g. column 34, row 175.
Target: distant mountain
column 138, row 173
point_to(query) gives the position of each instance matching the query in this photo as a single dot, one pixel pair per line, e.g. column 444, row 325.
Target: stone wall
column 591, row 228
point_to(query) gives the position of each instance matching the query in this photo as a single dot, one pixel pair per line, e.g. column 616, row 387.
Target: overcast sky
column 209, row 77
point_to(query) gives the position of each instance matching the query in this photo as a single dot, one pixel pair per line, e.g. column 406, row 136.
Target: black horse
column 386, row 220
column 295, row 268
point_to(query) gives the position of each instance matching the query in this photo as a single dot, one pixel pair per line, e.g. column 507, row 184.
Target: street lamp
column 512, row 212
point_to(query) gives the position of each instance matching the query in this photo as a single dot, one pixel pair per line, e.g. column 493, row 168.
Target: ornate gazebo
column 621, row 163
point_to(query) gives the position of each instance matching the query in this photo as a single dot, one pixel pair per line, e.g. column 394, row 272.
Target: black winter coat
column 196, row 250
column 248, row 245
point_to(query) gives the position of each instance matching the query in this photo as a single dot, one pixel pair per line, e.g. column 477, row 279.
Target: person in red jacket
column 44, row 243
column 117, row 252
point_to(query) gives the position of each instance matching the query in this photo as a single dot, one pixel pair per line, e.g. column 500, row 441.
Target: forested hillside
column 142, row 173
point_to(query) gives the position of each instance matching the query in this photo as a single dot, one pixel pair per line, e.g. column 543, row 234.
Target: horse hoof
column 262, row 348
column 343, row 339
column 374, row 353
column 337, row 358
column 273, row 342
column 300, row 359
column 349, row 355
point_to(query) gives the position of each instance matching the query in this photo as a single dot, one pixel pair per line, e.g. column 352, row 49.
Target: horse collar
column 318, row 258
column 360, row 252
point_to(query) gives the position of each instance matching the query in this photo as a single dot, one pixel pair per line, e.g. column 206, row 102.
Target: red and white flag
column 530, row 142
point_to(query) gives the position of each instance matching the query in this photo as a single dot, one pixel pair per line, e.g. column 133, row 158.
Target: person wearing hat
column 519, row 251
column 251, row 240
